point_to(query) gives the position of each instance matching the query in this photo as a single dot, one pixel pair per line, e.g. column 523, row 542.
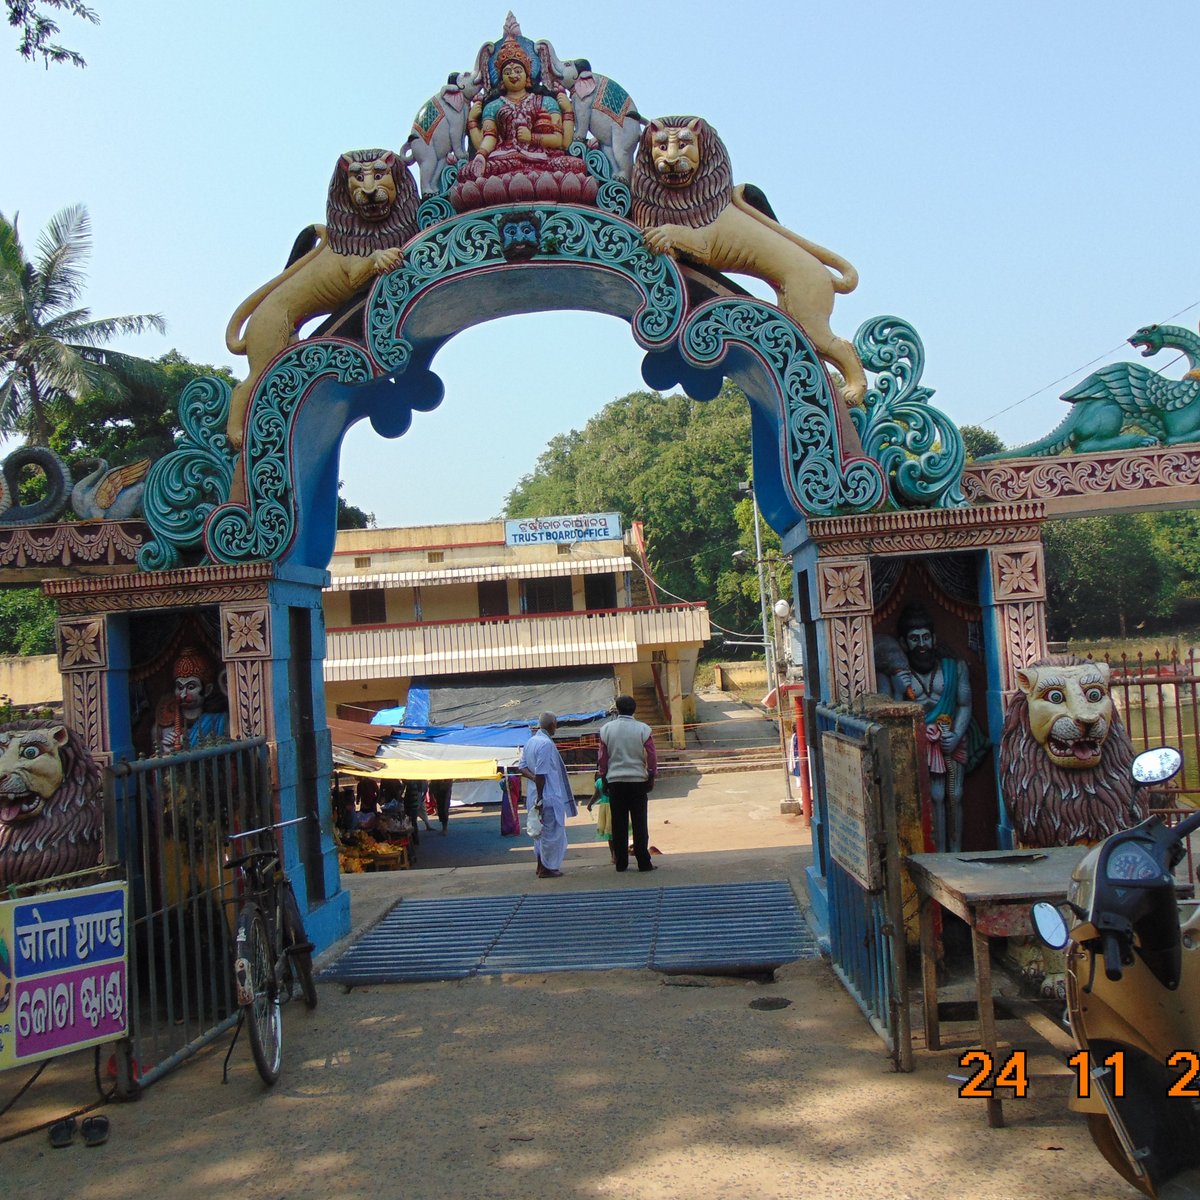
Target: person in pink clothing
column 627, row 763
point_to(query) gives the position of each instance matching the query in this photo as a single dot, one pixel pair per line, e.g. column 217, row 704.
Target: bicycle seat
column 253, row 855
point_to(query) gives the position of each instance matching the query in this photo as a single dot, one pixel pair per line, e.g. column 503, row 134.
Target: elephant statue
column 439, row 132
column 110, row 495
column 58, row 485
column 604, row 109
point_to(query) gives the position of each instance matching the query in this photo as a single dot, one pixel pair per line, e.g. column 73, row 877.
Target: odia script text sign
column 63, row 961
column 851, row 810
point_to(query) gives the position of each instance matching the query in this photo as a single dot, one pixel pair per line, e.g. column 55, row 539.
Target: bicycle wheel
column 263, row 1018
column 297, row 947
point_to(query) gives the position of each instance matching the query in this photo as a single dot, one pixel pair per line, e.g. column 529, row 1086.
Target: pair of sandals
column 94, row 1129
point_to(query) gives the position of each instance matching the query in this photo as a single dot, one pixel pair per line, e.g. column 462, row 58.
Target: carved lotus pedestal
column 550, row 186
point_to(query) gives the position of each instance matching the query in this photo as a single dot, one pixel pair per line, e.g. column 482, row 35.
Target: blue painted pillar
column 273, row 650
column 834, row 600
column 1012, row 593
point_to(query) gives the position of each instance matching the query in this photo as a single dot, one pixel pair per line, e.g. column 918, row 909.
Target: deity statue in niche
column 520, row 131
column 910, row 666
column 195, row 710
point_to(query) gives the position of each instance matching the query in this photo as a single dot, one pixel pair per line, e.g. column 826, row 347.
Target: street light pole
column 768, row 640
column 773, row 674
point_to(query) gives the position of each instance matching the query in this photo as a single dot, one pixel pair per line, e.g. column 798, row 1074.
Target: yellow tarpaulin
column 427, row 768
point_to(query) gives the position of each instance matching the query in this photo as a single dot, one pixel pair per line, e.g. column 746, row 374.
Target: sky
column 1015, row 180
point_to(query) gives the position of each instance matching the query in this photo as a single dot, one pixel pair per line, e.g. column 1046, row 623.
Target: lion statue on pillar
column 371, row 212
column 51, row 820
column 685, row 203
column 1065, row 756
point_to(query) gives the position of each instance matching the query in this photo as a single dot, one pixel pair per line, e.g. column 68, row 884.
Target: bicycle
column 272, row 952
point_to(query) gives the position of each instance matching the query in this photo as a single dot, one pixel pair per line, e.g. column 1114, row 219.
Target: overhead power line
column 1078, row 370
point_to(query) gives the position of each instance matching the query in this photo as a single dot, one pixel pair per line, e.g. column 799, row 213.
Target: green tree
column 1176, row 540
column 48, row 345
column 675, row 464
column 138, row 420
column 1103, row 575
column 350, row 516
column 29, row 16
column 26, row 622
column 980, row 441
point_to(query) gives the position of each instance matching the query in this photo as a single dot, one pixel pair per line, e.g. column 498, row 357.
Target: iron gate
column 857, row 826
column 167, row 819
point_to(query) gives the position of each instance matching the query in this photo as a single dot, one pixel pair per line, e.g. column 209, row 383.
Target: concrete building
column 536, row 595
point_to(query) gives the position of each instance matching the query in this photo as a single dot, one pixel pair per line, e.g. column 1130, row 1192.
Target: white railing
column 509, row 643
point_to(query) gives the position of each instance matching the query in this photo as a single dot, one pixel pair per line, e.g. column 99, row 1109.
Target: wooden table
column 992, row 891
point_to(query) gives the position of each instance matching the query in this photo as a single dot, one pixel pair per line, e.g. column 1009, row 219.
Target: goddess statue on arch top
column 520, row 130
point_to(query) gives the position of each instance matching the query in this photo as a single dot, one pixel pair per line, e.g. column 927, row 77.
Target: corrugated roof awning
column 481, row 573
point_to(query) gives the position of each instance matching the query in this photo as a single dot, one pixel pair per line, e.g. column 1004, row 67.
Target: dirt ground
column 620, row 1083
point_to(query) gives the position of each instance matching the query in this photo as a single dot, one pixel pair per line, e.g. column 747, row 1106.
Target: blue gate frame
column 866, row 926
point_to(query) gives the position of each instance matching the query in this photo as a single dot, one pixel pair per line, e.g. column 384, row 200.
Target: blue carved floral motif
column 183, row 487
column 263, row 527
column 821, row 481
column 614, row 195
column 919, row 448
column 568, row 234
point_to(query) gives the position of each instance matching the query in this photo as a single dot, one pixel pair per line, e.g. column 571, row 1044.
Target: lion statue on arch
column 1065, row 756
column 51, row 821
column 371, row 212
column 685, row 202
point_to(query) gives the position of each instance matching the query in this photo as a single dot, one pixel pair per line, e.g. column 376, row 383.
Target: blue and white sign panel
column 545, row 531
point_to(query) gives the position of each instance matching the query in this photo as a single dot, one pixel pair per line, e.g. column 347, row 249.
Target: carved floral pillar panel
column 246, row 649
column 83, row 662
column 1018, row 585
column 844, row 598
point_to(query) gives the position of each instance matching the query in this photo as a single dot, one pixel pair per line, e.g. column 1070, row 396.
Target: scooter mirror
column 1157, row 765
column 1051, row 926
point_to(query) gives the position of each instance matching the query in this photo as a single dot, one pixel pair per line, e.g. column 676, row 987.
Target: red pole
column 802, row 758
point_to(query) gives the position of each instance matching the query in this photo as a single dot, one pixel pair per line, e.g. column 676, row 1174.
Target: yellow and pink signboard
column 63, row 972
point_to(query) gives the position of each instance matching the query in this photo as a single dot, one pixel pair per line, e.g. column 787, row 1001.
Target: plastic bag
column 533, row 823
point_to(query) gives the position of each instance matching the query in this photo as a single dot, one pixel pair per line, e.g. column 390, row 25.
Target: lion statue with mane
column 51, row 822
column 685, row 202
column 371, row 212
column 1065, row 756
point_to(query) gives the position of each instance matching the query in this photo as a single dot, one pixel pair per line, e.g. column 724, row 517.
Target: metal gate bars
column 862, row 866
column 168, row 818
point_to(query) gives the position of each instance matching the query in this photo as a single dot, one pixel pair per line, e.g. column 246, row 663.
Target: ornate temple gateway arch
column 456, row 275
column 534, row 200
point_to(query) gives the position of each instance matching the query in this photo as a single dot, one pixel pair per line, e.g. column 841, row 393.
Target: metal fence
column 1158, row 698
column 167, row 820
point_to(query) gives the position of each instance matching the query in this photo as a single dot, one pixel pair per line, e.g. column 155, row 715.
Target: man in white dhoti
column 541, row 763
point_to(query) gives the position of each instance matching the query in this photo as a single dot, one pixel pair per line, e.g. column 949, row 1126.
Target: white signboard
column 545, row 531
column 850, row 810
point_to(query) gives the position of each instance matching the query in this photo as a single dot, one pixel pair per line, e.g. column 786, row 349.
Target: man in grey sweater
column 628, row 763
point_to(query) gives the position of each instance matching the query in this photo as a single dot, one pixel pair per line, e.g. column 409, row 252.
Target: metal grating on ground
column 713, row 928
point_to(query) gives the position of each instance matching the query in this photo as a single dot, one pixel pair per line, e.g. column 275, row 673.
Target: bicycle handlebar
column 233, row 837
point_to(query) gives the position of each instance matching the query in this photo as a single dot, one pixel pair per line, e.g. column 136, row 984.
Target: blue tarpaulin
column 508, row 700
column 389, row 716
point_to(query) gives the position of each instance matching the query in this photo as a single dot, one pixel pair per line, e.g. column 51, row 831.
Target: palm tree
column 49, row 348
